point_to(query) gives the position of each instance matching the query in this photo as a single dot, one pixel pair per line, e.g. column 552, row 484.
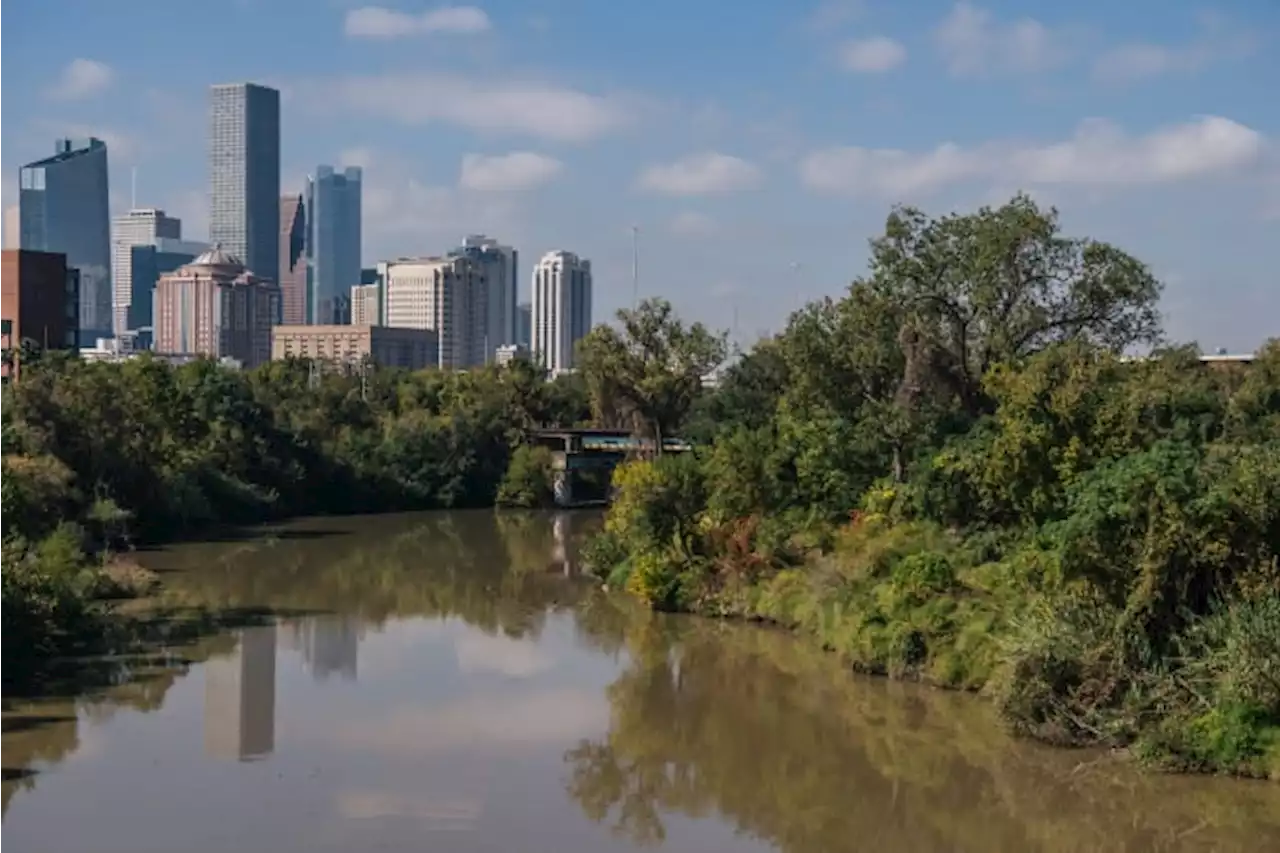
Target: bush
column 529, row 481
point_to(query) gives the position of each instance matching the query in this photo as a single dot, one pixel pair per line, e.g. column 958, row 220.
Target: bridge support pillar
column 562, row 487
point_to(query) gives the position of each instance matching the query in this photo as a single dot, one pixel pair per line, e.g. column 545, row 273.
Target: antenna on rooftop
column 133, row 189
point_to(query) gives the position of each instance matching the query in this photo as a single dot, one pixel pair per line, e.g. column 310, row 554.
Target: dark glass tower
column 244, row 174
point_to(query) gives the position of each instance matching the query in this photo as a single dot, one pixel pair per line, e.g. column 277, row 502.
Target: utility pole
column 635, row 267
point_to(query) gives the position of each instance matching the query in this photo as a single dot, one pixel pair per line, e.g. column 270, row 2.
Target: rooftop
column 69, row 149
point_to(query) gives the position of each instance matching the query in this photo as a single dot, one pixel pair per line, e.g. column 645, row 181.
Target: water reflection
column 506, row 705
column 240, row 697
column 329, row 644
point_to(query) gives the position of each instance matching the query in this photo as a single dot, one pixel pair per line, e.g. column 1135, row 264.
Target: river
column 445, row 682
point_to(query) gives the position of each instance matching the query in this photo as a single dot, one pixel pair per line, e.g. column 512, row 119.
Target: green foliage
column 1019, row 507
column 145, row 451
column 528, row 481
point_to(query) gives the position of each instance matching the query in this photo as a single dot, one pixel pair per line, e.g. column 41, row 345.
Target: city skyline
column 1151, row 131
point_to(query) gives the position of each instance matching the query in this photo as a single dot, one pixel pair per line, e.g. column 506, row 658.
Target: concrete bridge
column 579, row 455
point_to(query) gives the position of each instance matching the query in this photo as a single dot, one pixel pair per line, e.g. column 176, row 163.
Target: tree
column 1001, row 284
column 647, row 374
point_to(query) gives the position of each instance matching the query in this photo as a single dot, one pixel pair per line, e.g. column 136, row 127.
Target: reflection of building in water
column 563, row 554
column 331, row 645
column 240, row 698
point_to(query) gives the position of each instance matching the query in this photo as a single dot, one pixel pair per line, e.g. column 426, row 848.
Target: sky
column 756, row 145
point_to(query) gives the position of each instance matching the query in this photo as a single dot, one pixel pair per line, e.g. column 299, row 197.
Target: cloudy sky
column 756, row 145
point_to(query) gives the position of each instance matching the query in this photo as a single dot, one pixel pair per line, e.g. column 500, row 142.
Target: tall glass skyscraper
column 63, row 207
column 333, row 247
column 244, row 173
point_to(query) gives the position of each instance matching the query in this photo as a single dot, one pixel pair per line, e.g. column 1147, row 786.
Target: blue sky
column 757, row 145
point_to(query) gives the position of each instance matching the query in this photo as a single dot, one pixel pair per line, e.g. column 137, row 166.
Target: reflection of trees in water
column 745, row 722
column 489, row 569
column 496, row 571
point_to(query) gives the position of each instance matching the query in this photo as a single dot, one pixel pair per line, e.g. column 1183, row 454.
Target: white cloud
column 484, row 722
column 383, row 23
column 690, row 223
column 1099, row 154
column 479, row 652
column 542, row 110
column 449, row 814
column 82, row 78
column 973, row 43
column 519, row 170
column 874, row 55
column 701, row 174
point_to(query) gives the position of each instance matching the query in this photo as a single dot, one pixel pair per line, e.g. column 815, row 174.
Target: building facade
column 146, row 264
column 12, row 227
column 140, row 227
column 333, row 246
column 215, row 307
column 499, row 264
column 447, row 295
column 39, row 304
column 413, row 349
column 561, row 309
column 244, row 174
column 64, row 208
column 292, row 276
column 524, row 324
column 366, row 305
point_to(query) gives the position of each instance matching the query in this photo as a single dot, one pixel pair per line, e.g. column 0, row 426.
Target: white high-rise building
column 502, row 278
column 139, row 227
column 447, row 295
column 561, row 308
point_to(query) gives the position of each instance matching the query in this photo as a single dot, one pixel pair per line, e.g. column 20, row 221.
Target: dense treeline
column 953, row 473
column 97, row 456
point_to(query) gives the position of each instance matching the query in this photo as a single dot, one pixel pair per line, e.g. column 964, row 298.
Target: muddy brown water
column 446, row 682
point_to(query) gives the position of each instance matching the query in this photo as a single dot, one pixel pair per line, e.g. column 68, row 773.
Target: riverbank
column 1098, row 555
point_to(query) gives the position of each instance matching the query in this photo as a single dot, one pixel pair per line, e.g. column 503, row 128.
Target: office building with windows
column 561, row 309
column 448, row 295
column 333, row 244
column 146, row 264
column 524, row 324
column 215, row 307
column 39, row 304
column 140, row 227
column 292, row 276
column 499, row 265
column 244, row 174
column 63, row 208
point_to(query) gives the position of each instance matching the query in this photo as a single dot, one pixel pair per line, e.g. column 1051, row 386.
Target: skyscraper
column 63, row 207
column 140, row 227
column 244, row 173
column 561, row 308
column 293, row 260
column 499, row 264
column 333, row 247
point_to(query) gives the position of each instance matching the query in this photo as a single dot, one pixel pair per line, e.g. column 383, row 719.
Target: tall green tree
column 646, row 373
